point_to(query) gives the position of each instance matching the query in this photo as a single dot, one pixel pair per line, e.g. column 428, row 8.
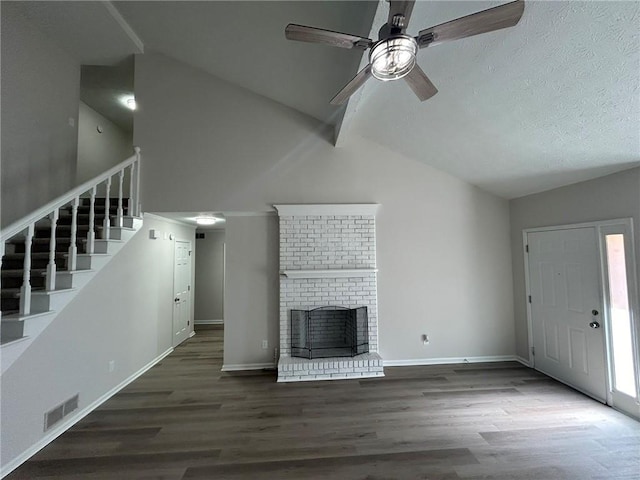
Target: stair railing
column 25, row 227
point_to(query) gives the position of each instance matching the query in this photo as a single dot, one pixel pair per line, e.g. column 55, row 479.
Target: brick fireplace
column 328, row 258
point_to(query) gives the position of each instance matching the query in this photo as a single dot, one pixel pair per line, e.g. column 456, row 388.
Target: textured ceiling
column 552, row 101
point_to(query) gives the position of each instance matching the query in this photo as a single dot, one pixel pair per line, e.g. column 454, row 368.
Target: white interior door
column 182, row 292
column 566, row 308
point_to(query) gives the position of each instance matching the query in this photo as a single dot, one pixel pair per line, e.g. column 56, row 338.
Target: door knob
column 176, row 299
column 594, row 325
column 595, row 312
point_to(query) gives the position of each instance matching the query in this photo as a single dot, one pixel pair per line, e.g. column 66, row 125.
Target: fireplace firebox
column 329, row 332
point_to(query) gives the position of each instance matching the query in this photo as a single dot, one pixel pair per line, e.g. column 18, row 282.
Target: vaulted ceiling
column 551, row 101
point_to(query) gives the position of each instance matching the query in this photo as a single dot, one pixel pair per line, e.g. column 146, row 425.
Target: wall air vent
column 56, row 414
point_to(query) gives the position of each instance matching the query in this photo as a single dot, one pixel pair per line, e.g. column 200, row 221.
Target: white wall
column 443, row 245
column 613, row 196
column 97, row 152
column 40, row 93
column 251, row 290
column 209, row 286
column 123, row 314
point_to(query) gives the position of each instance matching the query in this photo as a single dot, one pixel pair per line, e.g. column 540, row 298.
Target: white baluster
column 106, row 223
column 132, row 180
column 51, row 267
column 73, row 249
column 120, row 210
column 137, row 196
column 25, row 290
column 91, row 235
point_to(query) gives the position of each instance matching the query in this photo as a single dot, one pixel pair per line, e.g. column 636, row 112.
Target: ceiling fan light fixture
column 393, row 57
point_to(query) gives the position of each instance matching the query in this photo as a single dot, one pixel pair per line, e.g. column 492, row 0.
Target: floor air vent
column 56, row 414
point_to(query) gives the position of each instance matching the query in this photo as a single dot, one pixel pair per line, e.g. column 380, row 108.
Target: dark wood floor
column 184, row 419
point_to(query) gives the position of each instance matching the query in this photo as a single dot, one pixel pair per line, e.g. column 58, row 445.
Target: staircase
column 51, row 254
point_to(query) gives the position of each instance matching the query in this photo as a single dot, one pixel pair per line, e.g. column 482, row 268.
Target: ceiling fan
column 393, row 56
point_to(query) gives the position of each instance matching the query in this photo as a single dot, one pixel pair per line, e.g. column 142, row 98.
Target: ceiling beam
column 126, row 28
column 346, row 115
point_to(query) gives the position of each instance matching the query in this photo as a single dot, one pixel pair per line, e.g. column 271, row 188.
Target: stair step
column 65, row 228
column 15, row 292
column 100, row 200
column 16, row 317
column 18, row 256
column 17, row 272
column 39, row 260
column 11, row 341
column 47, row 240
column 48, row 293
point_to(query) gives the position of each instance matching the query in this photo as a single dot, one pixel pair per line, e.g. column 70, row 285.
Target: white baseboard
column 523, row 361
column 208, row 322
column 192, row 334
column 248, row 366
column 449, row 360
column 75, row 418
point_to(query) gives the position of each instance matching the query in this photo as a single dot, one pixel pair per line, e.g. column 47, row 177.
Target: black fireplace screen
column 329, row 332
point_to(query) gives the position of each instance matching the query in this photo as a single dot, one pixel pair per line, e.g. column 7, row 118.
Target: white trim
column 527, row 289
column 192, row 334
column 449, row 360
column 208, row 322
column 332, row 273
column 75, row 418
column 168, row 220
column 570, row 226
column 237, row 367
column 523, row 361
column 327, row 209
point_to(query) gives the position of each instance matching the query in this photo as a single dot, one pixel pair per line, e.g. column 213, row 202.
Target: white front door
column 182, row 292
column 566, row 308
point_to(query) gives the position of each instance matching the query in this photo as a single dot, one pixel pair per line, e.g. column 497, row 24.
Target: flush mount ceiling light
column 393, row 56
column 128, row 101
column 206, row 220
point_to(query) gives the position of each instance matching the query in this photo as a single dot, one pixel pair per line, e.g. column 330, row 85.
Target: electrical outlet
column 265, row 344
column 112, row 366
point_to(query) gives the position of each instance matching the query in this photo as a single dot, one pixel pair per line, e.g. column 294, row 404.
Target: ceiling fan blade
column 496, row 18
column 400, row 7
column 351, row 87
column 303, row 33
column 420, row 84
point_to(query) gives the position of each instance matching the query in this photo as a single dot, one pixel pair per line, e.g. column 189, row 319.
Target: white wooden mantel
column 332, row 273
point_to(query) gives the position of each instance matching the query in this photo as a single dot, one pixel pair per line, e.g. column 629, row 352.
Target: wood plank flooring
column 184, row 419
